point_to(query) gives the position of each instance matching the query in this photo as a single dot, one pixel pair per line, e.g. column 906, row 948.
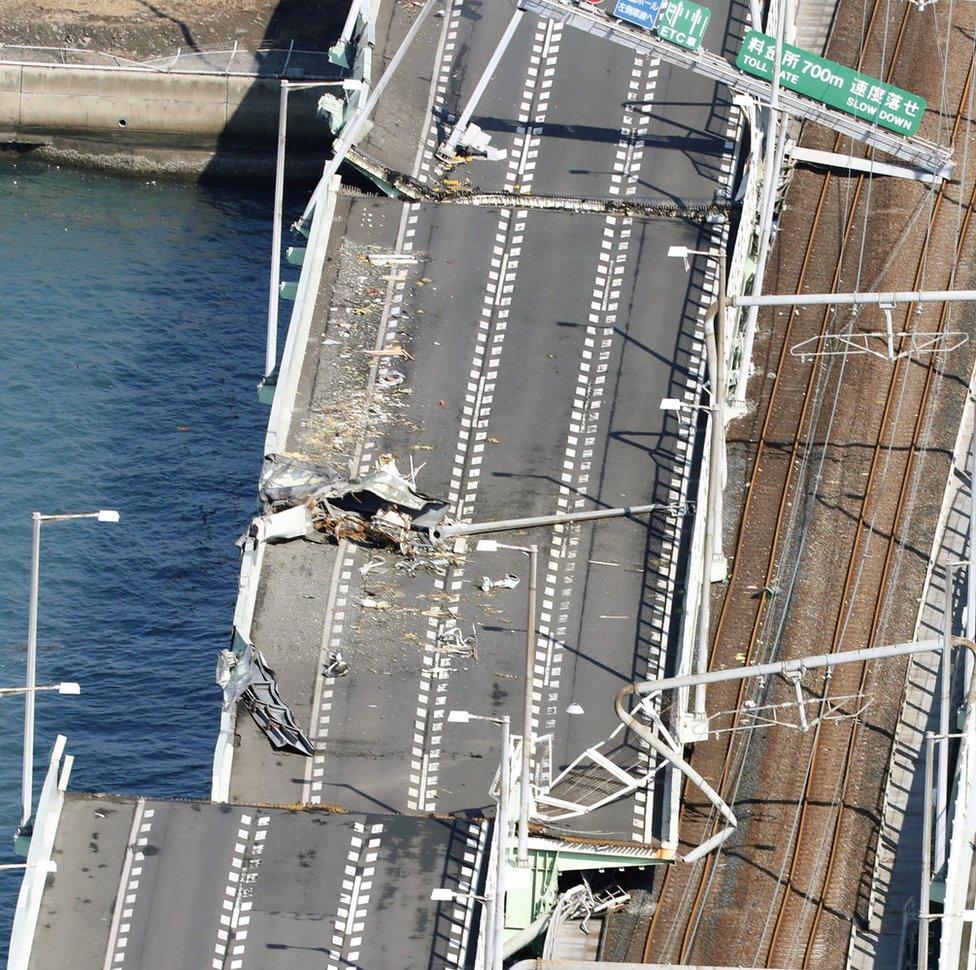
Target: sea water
column 132, row 321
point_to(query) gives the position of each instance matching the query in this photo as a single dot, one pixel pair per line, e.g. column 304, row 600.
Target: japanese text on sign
column 643, row 13
column 683, row 23
column 835, row 85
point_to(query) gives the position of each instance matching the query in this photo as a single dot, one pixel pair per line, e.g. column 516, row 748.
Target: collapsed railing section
column 353, row 52
column 279, row 421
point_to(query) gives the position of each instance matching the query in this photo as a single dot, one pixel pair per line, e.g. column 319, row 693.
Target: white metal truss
column 600, row 775
column 789, row 714
column 919, row 344
column 914, row 151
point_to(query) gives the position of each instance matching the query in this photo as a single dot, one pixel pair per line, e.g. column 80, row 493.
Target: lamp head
column 68, row 687
column 680, row 252
column 487, row 545
column 108, row 515
column 459, row 717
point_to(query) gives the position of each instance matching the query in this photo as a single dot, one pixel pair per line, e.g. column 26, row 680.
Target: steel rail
column 817, row 753
column 689, row 932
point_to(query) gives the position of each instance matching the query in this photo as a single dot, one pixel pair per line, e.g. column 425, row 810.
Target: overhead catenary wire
column 890, row 258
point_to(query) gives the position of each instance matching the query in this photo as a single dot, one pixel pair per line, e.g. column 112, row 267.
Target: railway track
column 805, row 884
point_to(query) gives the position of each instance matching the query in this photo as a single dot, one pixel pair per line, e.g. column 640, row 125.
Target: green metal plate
column 833, row 84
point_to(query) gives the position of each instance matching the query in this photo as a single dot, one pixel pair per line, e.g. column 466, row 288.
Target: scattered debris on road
column 381, row 508
column 487, row 584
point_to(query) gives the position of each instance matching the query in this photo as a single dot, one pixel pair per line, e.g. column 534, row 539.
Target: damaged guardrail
column 354, row 52
column 279, row 421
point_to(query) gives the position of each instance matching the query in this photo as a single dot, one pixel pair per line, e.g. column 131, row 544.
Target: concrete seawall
column 150, row 122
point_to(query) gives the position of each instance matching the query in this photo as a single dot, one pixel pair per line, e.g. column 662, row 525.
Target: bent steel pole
column 794, row 667
column 27, row 783
column 451, row 530
column 528, row 741
column 674, row 758
column 449, row 146
column 713, row 352
column 271, row 348
column 787, row 668
column 352, row 130
column 501, row 841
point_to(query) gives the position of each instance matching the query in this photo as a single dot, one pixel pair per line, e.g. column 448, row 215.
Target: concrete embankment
column 83, row 108
column 150, row 123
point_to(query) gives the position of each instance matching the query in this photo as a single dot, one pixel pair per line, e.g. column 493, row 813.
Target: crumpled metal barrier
column 247, row 677
column 381, row 506
column 287, row 482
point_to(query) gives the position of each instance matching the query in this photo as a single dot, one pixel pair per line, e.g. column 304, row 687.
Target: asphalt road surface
column 200, row 885
column 542, row 345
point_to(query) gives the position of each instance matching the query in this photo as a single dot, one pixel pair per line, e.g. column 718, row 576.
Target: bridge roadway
column 206, row 885
column 543, row 344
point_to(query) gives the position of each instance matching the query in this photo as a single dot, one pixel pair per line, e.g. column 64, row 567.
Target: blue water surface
column 132, row 322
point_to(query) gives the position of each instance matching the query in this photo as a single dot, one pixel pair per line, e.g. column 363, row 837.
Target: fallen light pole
column 461, row 126
column 353, row 129
column 453, row 530
column 714, row 325
column 528, row 740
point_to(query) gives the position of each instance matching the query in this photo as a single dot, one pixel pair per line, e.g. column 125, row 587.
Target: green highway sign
column 683, row 23
column 835, row 85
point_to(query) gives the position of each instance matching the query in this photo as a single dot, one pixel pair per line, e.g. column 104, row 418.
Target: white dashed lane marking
column 235, row 906
column 476, row 411
column 126, row 903
column 336, row 612
column 357, row 885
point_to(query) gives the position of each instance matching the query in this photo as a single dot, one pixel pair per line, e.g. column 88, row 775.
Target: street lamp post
column 496, row 902
column 528, row 740
column 65, row 687
column 271, row 345
column 104, row 515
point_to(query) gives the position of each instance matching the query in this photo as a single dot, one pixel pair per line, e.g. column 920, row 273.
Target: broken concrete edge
column 398, row 185
column 282, row 408
column 39, row 862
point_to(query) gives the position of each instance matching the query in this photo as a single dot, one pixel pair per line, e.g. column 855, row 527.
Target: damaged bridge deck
column 533, row 409
column 505, row 342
